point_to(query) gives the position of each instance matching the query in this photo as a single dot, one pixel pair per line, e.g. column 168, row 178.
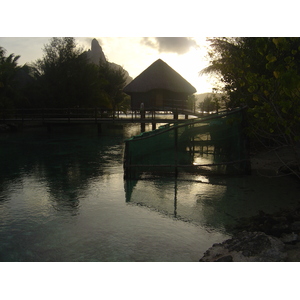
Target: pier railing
column 215, row 144
column 53, row 113
column 84, row 114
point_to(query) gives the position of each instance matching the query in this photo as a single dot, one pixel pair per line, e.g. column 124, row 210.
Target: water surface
column 63, row 198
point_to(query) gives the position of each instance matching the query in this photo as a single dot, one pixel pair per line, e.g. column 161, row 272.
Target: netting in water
column 214, row 145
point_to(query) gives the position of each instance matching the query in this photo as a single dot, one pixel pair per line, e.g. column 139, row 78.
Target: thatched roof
column 159, row 75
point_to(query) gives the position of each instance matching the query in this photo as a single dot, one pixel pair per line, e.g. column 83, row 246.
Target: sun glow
column 189, row 65
column 135, row 56
column 187, row 56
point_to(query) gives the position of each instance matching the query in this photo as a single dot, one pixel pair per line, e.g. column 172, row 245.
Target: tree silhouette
column 8, row 70
column 64, row 74
column 113, row 81
column 68, row 79
column 263, row 73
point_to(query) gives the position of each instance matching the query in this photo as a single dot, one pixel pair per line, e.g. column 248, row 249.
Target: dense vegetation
column 63, row 78
column 264, row 74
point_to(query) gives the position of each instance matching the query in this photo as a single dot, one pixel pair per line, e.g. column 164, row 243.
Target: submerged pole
column 175, row 198
column 176, row 151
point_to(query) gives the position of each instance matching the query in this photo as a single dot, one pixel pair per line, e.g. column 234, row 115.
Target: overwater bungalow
column 159, row 88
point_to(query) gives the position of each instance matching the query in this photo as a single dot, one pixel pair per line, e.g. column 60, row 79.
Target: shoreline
column 266, row 236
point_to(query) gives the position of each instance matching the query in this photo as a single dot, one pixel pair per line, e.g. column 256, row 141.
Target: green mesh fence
column 214, row 144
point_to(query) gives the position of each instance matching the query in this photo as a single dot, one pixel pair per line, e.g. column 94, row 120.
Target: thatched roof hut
column 159, row 87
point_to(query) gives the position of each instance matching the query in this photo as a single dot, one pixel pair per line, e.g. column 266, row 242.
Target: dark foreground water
column 63, row 198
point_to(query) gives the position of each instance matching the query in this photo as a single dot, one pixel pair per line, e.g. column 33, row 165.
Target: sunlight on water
column 63, row 198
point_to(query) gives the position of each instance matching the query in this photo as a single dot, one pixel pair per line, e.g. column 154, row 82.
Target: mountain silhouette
column 96, row 56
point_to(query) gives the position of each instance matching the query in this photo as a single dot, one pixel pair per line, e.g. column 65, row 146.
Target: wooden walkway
column 90, row 116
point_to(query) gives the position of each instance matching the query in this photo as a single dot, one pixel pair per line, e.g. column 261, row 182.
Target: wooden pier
column 57, row 116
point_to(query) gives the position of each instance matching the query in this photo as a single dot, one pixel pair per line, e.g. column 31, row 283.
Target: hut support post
column 176, row 115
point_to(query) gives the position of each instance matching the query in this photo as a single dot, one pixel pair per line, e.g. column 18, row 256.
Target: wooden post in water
column 143, row 115
column 176, row 114
column 175, row 198
column 176, row 151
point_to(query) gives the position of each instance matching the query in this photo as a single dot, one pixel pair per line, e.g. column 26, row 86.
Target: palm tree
column 8, row 70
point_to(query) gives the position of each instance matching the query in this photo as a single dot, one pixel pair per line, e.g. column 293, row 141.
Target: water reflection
column 62, row 199
column 64, row 161
column 214, row 202
column 177, row 198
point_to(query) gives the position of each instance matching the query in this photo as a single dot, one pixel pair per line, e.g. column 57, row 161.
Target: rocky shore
column 264, row 237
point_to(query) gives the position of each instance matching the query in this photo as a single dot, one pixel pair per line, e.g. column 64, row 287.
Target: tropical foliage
column 209, row 104
column 10, row 80
column 264, row 74
column 62, row 78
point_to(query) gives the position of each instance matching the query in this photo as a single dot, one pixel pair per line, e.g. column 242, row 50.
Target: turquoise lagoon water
column 63, row 198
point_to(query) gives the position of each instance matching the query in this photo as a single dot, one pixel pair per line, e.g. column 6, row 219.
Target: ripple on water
column 63, row 198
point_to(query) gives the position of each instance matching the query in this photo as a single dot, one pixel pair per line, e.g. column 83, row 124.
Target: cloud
column 179, row 45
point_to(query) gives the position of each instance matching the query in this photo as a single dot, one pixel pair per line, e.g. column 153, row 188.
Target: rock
column 96, row 53
column 293, row 252
column 295, row 226
column 289, row 237
column 247, row 247
column 227, row 258
column 280, row 227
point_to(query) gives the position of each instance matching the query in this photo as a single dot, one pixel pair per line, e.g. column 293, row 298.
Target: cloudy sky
column 133, row 35
column 186, row 55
